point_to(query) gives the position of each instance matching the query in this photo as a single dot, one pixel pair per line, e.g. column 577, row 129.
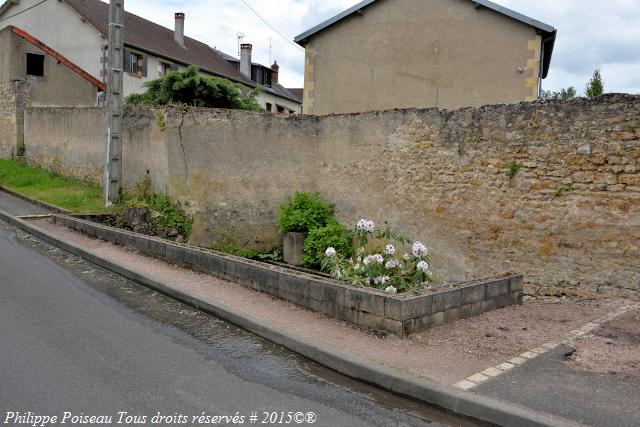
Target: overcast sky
column 591, row 33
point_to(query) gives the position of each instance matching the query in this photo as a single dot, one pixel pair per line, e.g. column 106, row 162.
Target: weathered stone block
column 515, row 284
column 445, row 300
column 498, row 287
column 157, row 248
column 452, row 315
column 365, row 301
column 436, row 319
column 293, row 245
column 474, row 293
column 381, row 323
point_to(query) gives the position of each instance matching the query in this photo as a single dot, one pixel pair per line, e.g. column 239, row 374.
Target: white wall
column 266, row 97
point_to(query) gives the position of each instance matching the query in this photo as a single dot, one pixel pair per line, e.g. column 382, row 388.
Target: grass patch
column 73, row 194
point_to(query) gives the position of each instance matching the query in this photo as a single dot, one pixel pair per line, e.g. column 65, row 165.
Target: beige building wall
column 62, row 29
column 417, row 53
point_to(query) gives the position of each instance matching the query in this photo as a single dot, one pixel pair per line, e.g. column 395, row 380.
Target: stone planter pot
column 292, row 247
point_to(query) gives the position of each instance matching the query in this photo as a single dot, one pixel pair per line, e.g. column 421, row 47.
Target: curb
column 44, row 205
column 467, row 404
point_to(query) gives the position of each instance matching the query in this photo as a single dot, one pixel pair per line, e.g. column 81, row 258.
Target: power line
column 23, row 11
column 287, row 39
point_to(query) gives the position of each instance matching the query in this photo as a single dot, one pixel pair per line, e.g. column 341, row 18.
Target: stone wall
column 567, row 215
column 14, row 97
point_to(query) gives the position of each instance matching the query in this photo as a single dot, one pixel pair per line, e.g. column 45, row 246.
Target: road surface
column 78, row 341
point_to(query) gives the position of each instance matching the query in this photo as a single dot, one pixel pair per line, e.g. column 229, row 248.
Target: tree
column 595, row 87
column 190, row 88
column 563, row 94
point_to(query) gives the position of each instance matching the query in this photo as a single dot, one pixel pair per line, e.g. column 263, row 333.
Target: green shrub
column 304, row 212
column 333, row 235
column 190, row 88
column 169, row 219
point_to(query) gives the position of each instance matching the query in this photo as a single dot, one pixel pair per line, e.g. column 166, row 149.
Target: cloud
column 591, row 33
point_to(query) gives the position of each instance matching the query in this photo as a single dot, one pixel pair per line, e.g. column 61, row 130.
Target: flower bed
column 400, row 314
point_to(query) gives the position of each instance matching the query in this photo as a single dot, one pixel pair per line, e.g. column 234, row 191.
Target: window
column 35, row 64
column 135, row 63
column 280, row 108
column 269, row 107
column 165, row 68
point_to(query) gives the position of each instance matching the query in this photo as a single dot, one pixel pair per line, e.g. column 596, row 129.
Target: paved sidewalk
column 446, row 354
column 549, row 383
column 19, row 207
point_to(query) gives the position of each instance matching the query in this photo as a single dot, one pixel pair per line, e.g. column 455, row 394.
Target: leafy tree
column 561, row 95
column 190, row 88
column 595, row 87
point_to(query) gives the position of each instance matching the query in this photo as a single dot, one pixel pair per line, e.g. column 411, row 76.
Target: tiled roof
column 297, row 92
column 153, row 38
column 278, row 89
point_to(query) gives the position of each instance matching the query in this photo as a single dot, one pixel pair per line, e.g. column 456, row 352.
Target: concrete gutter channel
column 464, row 403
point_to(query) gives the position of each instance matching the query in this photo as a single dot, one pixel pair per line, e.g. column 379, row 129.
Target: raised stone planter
column 293, row 247
column 368, row 307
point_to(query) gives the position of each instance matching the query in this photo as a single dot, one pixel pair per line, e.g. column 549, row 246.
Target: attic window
column 35, row 64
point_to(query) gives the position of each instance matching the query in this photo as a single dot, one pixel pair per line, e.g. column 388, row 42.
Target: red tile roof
column 156, row 39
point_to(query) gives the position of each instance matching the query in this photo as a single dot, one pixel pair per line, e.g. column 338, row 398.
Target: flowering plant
column 384, row 267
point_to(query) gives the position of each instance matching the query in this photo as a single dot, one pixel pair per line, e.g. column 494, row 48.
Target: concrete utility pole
column 113, row 146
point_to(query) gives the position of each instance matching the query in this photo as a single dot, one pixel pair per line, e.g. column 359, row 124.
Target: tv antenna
column 240, row 36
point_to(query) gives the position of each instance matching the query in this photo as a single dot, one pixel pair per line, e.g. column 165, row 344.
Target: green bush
column 304, row 212
column 169, row 219
column 191, row 88
column 333, row 235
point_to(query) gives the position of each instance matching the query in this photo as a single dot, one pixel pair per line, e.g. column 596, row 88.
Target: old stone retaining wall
column 566, row 213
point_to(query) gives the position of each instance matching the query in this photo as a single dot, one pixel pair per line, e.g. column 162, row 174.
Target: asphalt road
column 78, row 339
column 549, row 384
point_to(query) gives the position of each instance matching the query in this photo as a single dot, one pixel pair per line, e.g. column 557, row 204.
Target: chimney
column 245, row 59
column 178, row 34
column 274, row 72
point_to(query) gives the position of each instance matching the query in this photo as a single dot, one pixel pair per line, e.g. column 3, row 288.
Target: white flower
column 390, row 249
column 373, row 259
column 392, row 263
column 381, row 280
column 406, row 257
column 367, row 281
column 330, row 252
column 419, row 250
column 365, row 225
column 357, row 267
column 391, row 290
column 423, row 266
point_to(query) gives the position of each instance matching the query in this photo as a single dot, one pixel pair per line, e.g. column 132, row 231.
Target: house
column 384, row 54
column 34, row 74
column 77, row 30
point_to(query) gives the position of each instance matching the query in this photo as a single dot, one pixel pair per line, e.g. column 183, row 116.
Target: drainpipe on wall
column 544, row 42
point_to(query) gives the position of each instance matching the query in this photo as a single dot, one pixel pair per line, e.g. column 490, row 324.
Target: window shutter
column 144, row 65
column 127, row 61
